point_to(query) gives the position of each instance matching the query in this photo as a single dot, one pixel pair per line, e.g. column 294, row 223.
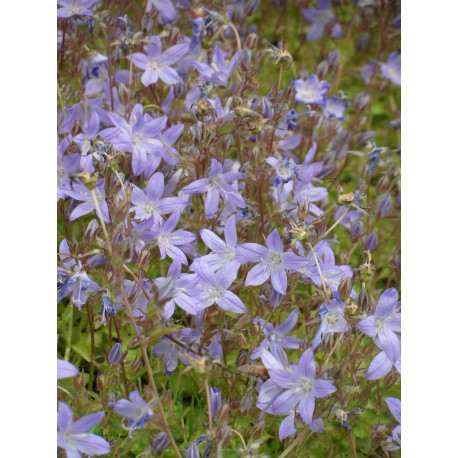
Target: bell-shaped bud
column 115, row 354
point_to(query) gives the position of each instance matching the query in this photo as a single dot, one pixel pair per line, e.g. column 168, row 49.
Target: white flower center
column 379, row 324
column 274, row 259
column 61, row 175
column 149, row 208
column 229, row 254
column 153, row 65
column 163, row 242
column 306, row 385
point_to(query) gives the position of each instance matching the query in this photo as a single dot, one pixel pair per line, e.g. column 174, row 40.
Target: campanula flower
column 297, row 383
column 385, row 325
column 73, row 436
column 272, row 262
column 217, row 186
column 277, row 336
column 157, row 64
column 311, row 90
column 136, row 410
column 392, row 68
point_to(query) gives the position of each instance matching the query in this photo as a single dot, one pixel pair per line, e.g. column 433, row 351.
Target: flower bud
column 252, row 40
column 382, row 184
column 333, row 59
column 180, row 90
column 91, row 231
column 215, row 401
column 322, row 69
column 361, row 101
column 192, row 451
column 345, row 287
column 246, row 403
column 114, row 357
column 371, row 242
column 356, row 230
column 146, row 23
column 160, row 443
column 245, row 59
column 384, row 205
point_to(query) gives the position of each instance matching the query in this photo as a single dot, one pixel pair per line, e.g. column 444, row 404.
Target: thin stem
column 209, row 406
column 69, row 336
column 99, row 214
column 241, row 438
column 91, row 326
column 237, row 37
column 296, row 441
column 353, row 444
column 149, row 372
column 325, row 288
column 344, row 214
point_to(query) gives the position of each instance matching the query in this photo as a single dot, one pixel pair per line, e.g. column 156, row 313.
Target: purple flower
column 311, row 90
column 222, row 252
column 367, row 71
column 66, row 166
column 180, row 294
column 332, row 321
column 73, row 436
column 319, row 17
column 83, row 140
column 394, row 405
column 334, row 108
column 75, row 7
column 137, row 411
column 216, row 186
column 65, row 369
column 285, row 169
column 167, row 11
column 213, row 287
column 139, row 136
column 173, row 352
column 72, row 279
column 168, row 240
column 218, row 72
column 79, row 192
column 273, row 263
column 392, row 69
column 293, row 385
column 82, row 113
column 150, row 203
column 381, row 365
column 385, row 325
column 276, row 336
column 157, row 64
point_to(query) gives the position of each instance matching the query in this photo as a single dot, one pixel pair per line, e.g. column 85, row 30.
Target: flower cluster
column 228, row 228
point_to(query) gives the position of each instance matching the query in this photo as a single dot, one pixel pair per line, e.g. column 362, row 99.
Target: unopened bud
column 361, row 101
column 383, row 184
column 384, row 206
column 114, row 357
column 252, row 40
column 322, row 69
column 356, row 230
column 345, row 287
column 246, row 403
column 371, row 242
column 91, row 231
column 146, row 23
column 160, row 443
